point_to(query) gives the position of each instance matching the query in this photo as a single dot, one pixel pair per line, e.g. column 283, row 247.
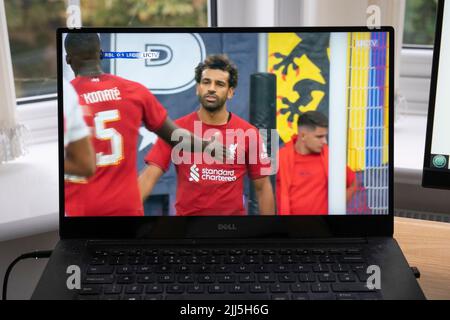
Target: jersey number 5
column 110, row 134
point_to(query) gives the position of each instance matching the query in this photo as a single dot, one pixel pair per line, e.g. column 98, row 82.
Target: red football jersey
column 117, row 107
column 214, row 189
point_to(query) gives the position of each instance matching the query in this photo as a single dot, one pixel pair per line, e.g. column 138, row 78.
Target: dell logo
column 226, row 227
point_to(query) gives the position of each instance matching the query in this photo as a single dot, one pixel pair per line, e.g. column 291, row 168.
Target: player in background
column 214, row 189
column 302, row 178
column 79, row 154
column 117, row 108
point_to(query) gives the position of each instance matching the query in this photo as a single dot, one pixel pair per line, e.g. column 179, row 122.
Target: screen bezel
column 432, row 177
column 248, row 227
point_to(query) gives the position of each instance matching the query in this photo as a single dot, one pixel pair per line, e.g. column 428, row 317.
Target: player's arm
column 148, row 179
column 168, row 128
column 264, row 193
column 80, row 158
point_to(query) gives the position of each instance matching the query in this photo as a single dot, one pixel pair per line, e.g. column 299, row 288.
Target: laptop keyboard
column 231, row 274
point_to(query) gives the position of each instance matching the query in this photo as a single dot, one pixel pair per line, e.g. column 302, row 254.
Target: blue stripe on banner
column 374, row 132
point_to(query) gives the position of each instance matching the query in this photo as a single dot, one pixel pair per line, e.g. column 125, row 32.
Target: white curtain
column 11, row 132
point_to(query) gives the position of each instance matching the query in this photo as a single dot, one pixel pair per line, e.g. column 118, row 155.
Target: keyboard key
column 301, row 268
column 271, row 259
column 166, row 278
column 268, row 252
column 318, row 251
column 290, row 259
column 347, row 277
column 203, row 269
column 340, row 267
column 299, row 287
column 321, row 296
column 236, row 252
column 153, row 297
column 144, row 269
column 308, row 259
column 175, row 288
column 134, row 289
column 98, row 279
column 100, row 270
column 242, row 269
column 350, row 287
column 303, row 296
column 207, row 278
column 261, row 269
column 117, row 261
column 278, row 288
column 227, row 278
column 327, row 277
column 307, row 277
column 136, row 260
column 124, row 270
column 247, row 278
column 257, row 288
column 280, row 269
column 112, row 289
column 111, row 297
column 353, row 251
column 251, row 259
column 125, row 279
column 286, row 278
column 351, row 259
column 146, row 278
column 154, row 288
column 217, row 288
column 326, row 259
column 188, row 278
column 213, row 260
column 163, row 269
column 266, row 278
column 182, row 269
column 252, row 252
column 319, row 287
column 223, row 269
column 219, row 252
column 279, row 297
column 232, row 260
column 237, row 288
column 98, row 261
column 132, row 297
column 197, row 288
column 286, row 252
column 321, row 268
column 90, row 290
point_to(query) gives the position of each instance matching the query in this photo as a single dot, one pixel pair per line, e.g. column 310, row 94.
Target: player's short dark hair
column 312, row 120
column 82, row 43
column 221, row 62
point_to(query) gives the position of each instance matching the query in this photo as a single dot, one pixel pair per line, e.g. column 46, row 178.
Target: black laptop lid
column 345, row 74
column 436, row 168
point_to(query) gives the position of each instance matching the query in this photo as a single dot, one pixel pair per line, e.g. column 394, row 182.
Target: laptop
column 166, row 251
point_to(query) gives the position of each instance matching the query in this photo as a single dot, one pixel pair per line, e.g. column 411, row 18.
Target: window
column 420, row 23
column 32, row 24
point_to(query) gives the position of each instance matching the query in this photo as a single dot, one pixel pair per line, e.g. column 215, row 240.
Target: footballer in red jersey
column 205, row 187
column 117, row 108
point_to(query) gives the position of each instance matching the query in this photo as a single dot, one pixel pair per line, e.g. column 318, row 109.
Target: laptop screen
column 217, row 122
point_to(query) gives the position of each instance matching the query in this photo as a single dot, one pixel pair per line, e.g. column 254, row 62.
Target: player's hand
column 216, row 149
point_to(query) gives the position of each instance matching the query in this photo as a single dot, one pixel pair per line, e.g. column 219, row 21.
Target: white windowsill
column 29, row 193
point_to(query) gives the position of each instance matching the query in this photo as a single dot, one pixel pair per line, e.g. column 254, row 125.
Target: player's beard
column 212, row 106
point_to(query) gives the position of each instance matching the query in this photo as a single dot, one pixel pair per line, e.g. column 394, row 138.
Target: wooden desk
column 426, row 245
